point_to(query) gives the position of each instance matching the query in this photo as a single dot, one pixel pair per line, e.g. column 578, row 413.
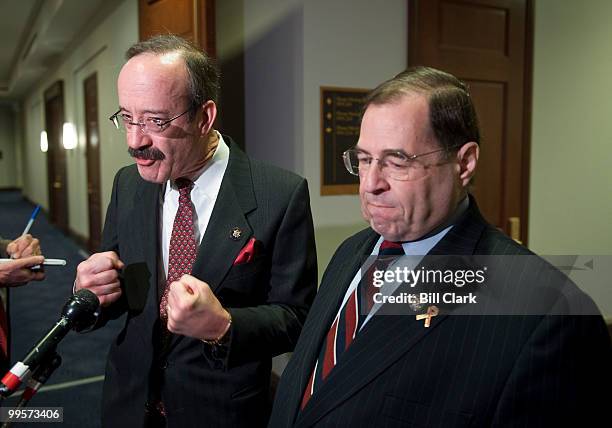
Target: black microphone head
column 87, row 298
column 80, row 309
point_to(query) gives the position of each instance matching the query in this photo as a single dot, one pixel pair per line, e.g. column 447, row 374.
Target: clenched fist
column 194, row 311
column 100, row 275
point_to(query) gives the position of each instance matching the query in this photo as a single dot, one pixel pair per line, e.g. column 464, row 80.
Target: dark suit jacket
column 462, row 371
column 268, row 298
column 4, row 359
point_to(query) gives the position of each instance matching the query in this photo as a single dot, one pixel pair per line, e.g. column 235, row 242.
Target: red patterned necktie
column 183, row 245
column 345, row 327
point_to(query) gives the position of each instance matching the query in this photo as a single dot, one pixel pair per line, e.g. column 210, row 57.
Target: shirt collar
column 213, row 167
column 425, row 244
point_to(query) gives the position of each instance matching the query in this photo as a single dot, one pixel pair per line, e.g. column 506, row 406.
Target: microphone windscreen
column 80, row 309
column 87, row 299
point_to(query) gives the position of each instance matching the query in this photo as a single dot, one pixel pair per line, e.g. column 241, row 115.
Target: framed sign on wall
column 340, row 119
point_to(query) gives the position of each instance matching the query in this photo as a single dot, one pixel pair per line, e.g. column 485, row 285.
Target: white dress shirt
column 203, row 196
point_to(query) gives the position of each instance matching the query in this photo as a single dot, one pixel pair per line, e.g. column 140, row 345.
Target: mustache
column 149, row 153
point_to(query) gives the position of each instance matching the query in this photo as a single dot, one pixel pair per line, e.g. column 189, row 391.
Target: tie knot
column 184, row 186
column 388, row 248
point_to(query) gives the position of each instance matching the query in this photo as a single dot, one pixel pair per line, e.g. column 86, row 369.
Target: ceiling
column 34, row 35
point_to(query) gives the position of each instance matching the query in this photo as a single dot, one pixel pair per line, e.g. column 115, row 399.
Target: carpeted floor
column 77, row 384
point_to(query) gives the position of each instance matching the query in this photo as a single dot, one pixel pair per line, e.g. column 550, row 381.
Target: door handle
column 514, row 224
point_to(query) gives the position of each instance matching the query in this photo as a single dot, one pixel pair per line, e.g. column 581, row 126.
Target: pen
column 46, row 262
column 31, row 221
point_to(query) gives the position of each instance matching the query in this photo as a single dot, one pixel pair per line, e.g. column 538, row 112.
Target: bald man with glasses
column 209, row 253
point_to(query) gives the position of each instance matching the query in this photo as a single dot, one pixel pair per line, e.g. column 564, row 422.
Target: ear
column 207, row 119
column 467, row 158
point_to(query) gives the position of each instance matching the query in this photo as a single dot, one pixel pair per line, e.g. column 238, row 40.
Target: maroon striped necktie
column 183, row 247
column 346, row 325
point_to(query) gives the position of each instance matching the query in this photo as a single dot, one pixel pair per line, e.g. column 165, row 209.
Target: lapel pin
column 236, row 234
column 432, row 311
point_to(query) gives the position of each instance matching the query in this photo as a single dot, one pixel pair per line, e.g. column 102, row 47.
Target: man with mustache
column 428, row 365
column 209, row 253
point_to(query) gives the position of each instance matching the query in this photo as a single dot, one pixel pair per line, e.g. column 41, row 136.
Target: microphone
column 78, row 313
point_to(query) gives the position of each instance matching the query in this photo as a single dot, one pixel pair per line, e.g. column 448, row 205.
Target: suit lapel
column 463, row 237
column 220, row 244
column 322, row 315
column 371, row 353
column 220, row 247
column 375, row 349
column 144, row 220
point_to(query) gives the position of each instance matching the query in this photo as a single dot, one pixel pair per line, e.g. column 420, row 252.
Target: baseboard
column 10, row 189
column 81, row 240
column 43, row 209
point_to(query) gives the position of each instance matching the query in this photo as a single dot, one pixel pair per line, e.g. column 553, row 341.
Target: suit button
column 163, row 364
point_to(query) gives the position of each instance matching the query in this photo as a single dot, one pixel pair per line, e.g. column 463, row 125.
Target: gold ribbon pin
column 432, row 311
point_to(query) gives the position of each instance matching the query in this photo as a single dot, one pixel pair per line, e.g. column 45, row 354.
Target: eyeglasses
column 150, row 125
column 396, row 165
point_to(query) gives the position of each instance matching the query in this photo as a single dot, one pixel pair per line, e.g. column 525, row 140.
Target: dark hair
column 452, row 115
column 202, row 70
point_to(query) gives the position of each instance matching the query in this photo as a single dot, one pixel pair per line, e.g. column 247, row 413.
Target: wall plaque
column 340, row 119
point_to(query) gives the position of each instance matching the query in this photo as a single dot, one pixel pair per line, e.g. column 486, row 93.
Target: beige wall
column 571, row 150
column 292, row 49
column 35, row 165
column 99, row 51
column 356, row 52
column 571, row 156
column 8, row 171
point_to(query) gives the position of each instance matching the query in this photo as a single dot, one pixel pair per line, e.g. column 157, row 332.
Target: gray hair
column 452, row 115
column 202, row 70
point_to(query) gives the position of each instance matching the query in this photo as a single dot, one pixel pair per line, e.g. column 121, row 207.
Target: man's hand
column 24, row 246
column 193, row 310
column 17, row 272
column 100, row 275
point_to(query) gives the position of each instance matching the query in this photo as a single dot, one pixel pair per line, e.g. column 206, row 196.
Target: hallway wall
column 8, row 155
column 99, row 51
column 291, row 49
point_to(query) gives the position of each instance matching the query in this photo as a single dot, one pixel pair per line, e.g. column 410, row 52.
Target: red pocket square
column 247, row 253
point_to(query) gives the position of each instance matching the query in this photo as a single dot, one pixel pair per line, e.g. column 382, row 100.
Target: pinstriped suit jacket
column 268, row 298
column 462, row 371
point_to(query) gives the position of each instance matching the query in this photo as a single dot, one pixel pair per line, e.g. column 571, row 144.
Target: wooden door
column 487, row 44
column 56, row 156
column 191, row 19
column 92, row 138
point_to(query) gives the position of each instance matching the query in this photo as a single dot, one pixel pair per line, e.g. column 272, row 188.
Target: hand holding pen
column 15, row 272
column 25, row 256
column 25, row 245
